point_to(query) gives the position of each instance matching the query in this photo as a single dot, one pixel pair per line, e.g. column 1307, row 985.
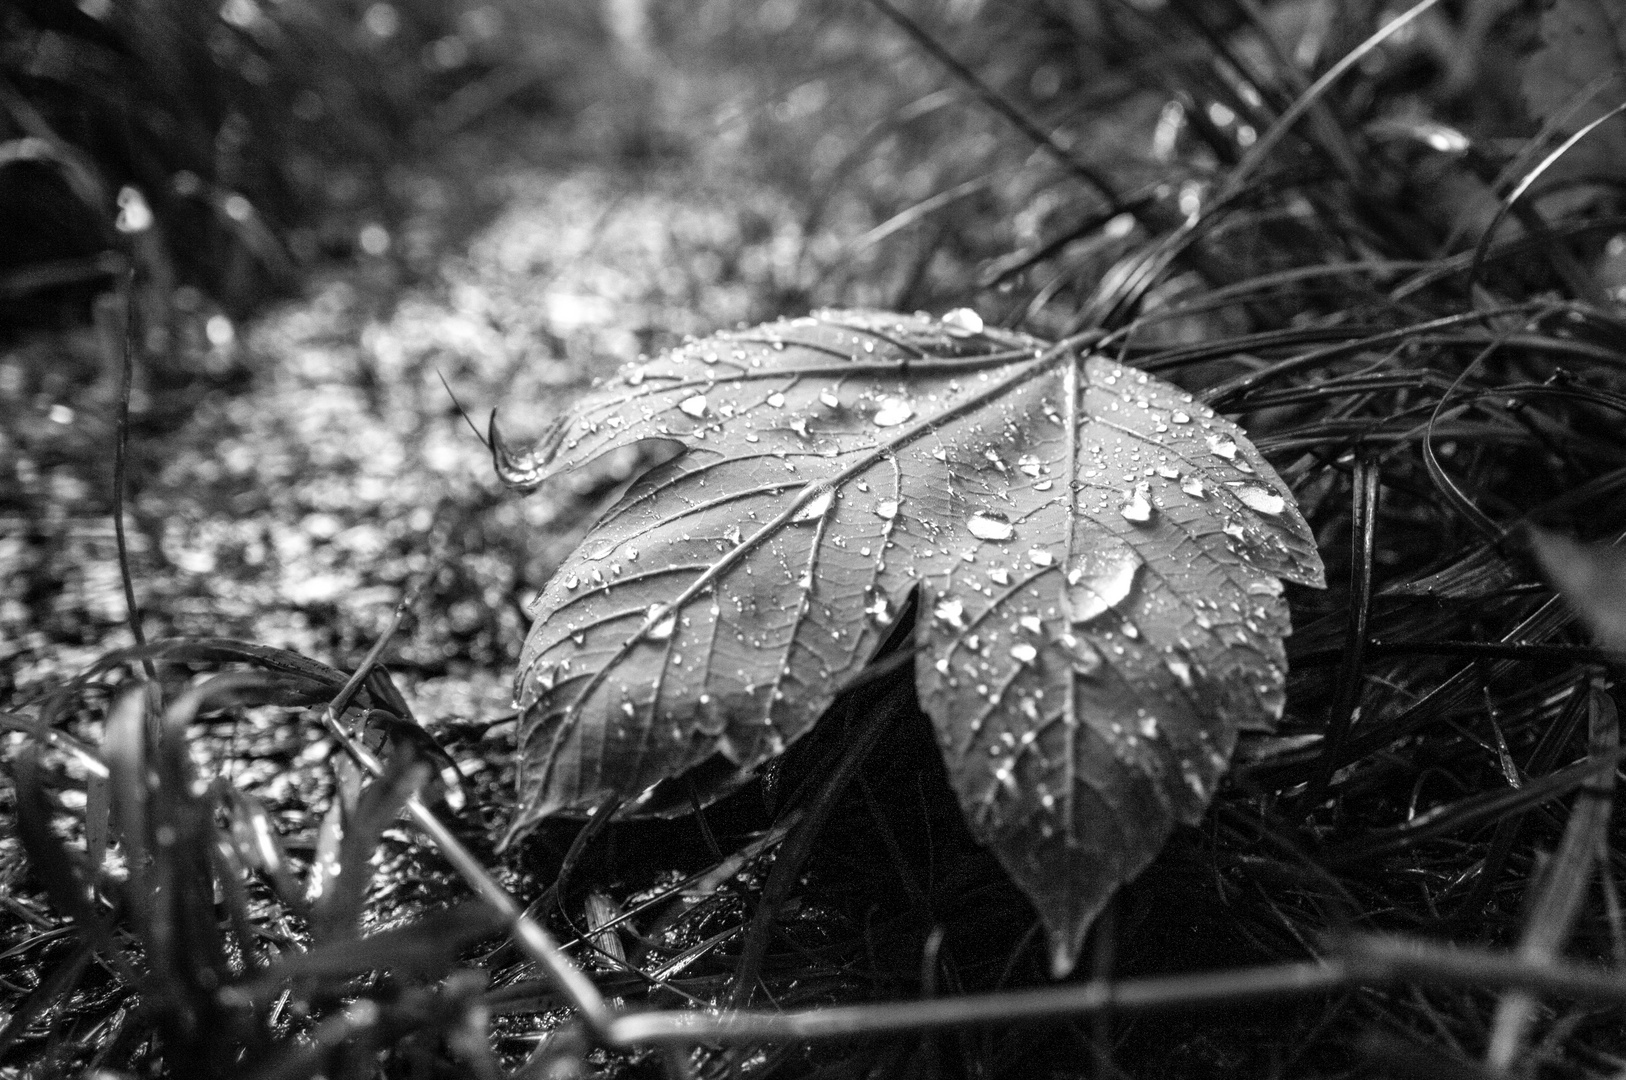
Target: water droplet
column 1137, row 505
column 951, row 611
column 635, row 376
column 1222, row 447
column 776, row 400
column 886, row 508
column 663, row 626
column 1180, row 417
column 1024, row 653
column 816, row 508
column 986, row 526
column 893, row 411
column 964, row 320
column 1193, row 487
column 1041, row 557
column 1101, row 578
column 879, row 610
column 999, row 576
column 1031, row 624
column 828, row 397
column 1267, row 587
column 1168, row 472
column 1086, row 659
column 1148, row 727
column 1257, row 498
column 694, row 406
column 1180, row 670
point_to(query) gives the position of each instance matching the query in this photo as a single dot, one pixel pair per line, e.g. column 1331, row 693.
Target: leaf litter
column 1100, row 559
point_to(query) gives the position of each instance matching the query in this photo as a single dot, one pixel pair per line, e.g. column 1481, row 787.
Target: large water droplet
column 1041, row 557
column 816, row 508
column 1258, row 498
column 694, row 406
column 1222, row 447
column 893, row 411
column 1101, row 578
column 1137, row 506
column 1192, row 486
column 663, row 626
column 964, row 320
column 986, row 526
column 776, row 400
column 886, row 508
column 1181, row 417
column 951, row 611
column 1024, row 653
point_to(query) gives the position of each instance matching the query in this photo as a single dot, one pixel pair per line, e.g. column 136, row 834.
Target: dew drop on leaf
column 1193, row 487
column 951, row 611
column 776, row 400
column 1086, row 659
column 663, row 626
column 1222, row 447
column 1257, row 498
column 816, row 508
column 893, row 411
column 1041, row 557
column 1181, row 417
column 886, row 508
column 1101, row 579
column 829, row 400
column 1024, row 653
column 986, row 526
column 964, row 320
column 694, row 406
column 1137, row 506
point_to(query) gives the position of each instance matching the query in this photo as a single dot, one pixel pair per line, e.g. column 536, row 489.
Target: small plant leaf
column 1592, row 577
column 1576, row 75
column 1099, row 562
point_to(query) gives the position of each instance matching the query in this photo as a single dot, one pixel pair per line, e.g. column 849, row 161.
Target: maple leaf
column 1098, row 561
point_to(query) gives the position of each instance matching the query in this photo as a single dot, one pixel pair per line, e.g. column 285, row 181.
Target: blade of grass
column 1565, row 884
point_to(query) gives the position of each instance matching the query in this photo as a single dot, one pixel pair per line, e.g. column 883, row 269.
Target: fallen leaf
column 1099, row 560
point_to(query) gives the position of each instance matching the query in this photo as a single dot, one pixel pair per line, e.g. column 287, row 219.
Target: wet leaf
column 1100, row 561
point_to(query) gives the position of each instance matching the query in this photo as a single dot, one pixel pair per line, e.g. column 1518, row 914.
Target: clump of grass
column 1429, row 386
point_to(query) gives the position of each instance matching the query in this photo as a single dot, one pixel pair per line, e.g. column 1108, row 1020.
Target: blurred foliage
column 262, row 137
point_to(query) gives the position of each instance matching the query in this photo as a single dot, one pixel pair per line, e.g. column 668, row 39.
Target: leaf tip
column 523, row 472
